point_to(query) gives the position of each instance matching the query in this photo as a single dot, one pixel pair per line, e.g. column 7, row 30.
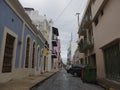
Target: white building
column 53, row 38
column 38, row 20
column 50, row 33
column 71, row 51
column 73, row 48
column 43, row 26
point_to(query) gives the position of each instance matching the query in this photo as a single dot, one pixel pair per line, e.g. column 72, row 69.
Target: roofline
column 100, row 8
column 19, row 10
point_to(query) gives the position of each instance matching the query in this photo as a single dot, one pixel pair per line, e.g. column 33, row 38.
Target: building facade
column 51, row 35
column 21, row 45
column 71, row 50
column 106, row 37
column 42, row 26
column 57, row 61
column 100, row 38
column 77, row 57
column 69, row 56
column 86, row 41
column 53, row 39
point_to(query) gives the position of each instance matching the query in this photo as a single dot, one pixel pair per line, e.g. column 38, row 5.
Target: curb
column 101, row 85
column 37, row 84
column 106, row 87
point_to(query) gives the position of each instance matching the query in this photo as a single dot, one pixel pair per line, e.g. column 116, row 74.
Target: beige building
column 86, row 42
column 101, row 38
column 105, row 15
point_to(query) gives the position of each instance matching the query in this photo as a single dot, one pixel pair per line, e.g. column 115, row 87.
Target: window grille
column 112, row 62
column 8, row 54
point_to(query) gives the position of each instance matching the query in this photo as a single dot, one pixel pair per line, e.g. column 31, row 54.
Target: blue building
column 21, row 45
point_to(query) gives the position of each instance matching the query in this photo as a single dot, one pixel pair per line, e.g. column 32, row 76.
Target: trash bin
column 89, row 74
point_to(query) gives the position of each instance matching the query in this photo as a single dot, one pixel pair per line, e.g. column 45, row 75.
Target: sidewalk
column 109, row 84
column 25, row 83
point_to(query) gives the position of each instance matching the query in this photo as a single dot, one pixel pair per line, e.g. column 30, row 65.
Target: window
column 27, row 52
column 112, row 62
column 102, row 13
column 38, row 58
column 96, row 21
column 8, row 54
column 93, row 1
column 41, row 53
column 81, row 60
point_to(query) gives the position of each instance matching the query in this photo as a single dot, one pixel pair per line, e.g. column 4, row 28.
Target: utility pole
column 78, row 18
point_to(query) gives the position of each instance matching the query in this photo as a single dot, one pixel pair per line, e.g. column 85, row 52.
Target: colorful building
column 21, row 44
column 57, row 60
column 53, row 38
column 42, row 26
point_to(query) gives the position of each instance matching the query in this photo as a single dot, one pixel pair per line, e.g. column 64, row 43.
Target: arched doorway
column 33, row 55
column 27, row 53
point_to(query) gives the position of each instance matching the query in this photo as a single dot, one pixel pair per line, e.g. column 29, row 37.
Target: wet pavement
column 65, row 81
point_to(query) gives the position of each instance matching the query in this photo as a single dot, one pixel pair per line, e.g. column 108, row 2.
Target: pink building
column 57, row 60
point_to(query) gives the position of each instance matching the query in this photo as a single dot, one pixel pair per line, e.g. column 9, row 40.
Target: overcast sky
column 63, row 14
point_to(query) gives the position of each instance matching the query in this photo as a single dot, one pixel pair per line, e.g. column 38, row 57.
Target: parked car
column 75, row 70
column 67, row 68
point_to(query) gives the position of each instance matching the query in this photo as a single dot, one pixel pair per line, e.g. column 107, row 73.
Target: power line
column 63, row 11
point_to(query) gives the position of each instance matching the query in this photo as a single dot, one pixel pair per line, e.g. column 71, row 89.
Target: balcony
column 90, row 43
column 86, row 23
column 82, row 31
column 85, row 44
column 54, row 54
column 82, row 46
column 54, row 40
column 55, row 34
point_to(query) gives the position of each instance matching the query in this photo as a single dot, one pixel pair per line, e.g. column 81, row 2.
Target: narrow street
column 64, row 81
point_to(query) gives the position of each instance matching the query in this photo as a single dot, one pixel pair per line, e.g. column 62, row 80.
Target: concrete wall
column 108, row 29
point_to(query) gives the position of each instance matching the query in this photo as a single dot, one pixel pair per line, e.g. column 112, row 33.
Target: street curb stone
column 37, row 84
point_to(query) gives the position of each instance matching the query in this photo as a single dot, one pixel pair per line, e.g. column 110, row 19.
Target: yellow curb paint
column 111, row 89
